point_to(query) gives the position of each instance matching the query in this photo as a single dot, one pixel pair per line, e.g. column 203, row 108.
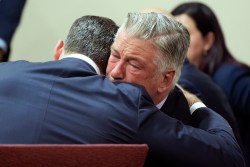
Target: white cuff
column 196, row 106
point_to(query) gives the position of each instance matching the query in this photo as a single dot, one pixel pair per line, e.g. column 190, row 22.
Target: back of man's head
column 92, row 36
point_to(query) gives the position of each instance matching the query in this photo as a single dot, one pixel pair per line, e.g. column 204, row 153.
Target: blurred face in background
column 198, row 43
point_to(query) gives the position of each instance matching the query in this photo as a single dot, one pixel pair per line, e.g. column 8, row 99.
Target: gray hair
column 170, row 38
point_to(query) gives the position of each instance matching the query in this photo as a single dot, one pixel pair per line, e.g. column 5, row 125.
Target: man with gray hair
column 149, row 49
column 158, row 66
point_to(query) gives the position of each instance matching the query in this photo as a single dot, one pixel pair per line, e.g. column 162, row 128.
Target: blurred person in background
column 209, row 53
column 10, row 16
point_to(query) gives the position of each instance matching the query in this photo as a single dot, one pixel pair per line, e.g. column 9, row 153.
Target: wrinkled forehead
column 133, row 45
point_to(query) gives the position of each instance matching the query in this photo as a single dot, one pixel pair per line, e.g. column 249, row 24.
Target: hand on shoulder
column 193, row 101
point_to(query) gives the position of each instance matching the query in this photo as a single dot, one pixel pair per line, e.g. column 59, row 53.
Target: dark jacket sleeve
column 210, row 142
column 238, row 89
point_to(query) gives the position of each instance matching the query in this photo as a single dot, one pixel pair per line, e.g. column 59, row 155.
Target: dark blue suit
column 10, row 14
column 213, row 96
column 176, row 106
column 234, row 80
column 65, row 101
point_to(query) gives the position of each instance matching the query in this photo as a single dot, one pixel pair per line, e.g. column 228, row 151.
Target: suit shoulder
column 134, row 89
column 130, row 87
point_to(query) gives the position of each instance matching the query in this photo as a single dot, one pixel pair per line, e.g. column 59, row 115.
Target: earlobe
column 58, row 49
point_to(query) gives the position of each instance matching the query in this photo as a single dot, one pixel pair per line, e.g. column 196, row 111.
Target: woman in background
column 209, row 53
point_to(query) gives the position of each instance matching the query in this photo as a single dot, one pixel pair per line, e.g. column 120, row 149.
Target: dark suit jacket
column 176, row 106
column 234, row 80
column 213, row 96
column 65, row 101
column 10, row 14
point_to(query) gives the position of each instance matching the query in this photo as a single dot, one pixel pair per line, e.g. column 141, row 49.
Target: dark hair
column 93, row 37
column 206, row 22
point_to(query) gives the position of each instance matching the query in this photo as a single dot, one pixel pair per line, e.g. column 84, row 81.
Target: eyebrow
column 129, row 57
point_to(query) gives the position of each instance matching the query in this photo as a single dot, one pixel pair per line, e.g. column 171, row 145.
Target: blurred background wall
column 44, row 22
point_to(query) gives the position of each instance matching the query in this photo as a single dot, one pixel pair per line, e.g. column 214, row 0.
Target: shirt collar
column 159, row 105
column 84, row 58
